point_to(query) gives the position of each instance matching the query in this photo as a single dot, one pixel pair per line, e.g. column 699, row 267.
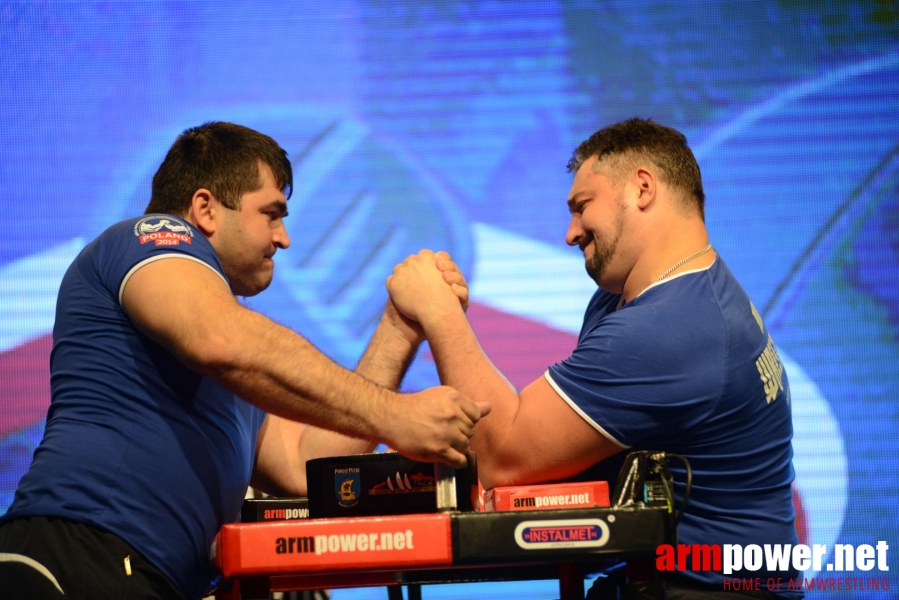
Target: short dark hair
column 221, row 157
column 630, row 141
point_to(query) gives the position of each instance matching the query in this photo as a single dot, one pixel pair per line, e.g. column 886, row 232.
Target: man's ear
column 647, row 187
column 204, row 209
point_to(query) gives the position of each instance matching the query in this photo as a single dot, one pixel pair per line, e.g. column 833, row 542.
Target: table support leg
column 571, row 582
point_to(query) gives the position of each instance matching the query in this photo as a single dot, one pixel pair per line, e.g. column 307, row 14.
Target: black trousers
column 55, row 558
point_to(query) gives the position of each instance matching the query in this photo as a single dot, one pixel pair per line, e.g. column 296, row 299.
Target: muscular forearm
column 387, row 357
column 284, row 446
column 384, row 362
column 285, row 375
column 462, row 363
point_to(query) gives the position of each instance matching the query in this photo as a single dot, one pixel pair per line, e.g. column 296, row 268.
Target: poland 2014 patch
column 163, row 230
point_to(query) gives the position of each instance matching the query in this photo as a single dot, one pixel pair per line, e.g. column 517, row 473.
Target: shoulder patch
column 163, row 230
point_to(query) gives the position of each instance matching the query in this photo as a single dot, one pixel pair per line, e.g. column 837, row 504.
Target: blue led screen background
column 448, row 125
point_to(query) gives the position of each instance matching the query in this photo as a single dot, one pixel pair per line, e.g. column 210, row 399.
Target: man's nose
column 281, row 238
column 575, row 231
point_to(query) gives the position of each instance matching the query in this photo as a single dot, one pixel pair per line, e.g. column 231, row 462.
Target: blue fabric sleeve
column 637, row 374
column 131, row 244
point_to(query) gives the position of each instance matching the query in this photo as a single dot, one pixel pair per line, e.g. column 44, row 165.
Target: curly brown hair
column 620, row 147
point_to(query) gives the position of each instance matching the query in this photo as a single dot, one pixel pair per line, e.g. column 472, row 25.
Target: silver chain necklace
column 683, row 262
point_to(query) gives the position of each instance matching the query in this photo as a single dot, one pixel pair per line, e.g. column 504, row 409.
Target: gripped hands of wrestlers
column 426, row 282
column 452, row 276
column 435, row 425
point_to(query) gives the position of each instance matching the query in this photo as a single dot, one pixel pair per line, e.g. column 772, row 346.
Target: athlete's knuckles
column 448, row 412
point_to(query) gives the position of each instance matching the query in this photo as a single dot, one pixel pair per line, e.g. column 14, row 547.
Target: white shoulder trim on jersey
column 583, row 415
column 27, row 560
column 143, row 263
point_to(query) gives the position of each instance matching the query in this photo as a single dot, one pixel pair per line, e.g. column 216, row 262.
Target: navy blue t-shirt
column 689, row 368
column 136, row 443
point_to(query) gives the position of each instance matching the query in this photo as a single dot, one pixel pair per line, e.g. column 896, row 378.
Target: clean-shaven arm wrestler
column 284, row 446
column 188, row 308
column 529, row 437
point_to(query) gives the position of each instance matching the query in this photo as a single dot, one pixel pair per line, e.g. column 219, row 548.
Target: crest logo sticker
column 347, row 486
column 163, row 230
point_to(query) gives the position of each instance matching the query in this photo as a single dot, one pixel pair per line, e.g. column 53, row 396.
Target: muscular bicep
column 181, row 304
column 547, row 441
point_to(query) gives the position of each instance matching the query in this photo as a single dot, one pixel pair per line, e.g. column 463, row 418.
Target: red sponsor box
column 333, row 544
column 552, row 496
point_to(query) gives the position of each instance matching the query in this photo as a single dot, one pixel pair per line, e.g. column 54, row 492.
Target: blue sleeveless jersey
column 136, row 443
column 688, row 367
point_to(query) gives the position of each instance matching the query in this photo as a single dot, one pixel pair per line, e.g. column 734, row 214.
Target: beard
column 603, row 252
column 597, row 263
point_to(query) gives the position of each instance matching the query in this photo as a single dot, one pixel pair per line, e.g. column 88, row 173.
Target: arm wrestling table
column 259, row 558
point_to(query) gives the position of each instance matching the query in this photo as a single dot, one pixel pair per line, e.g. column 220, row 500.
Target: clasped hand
column 423, row 288
column 426, row 285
